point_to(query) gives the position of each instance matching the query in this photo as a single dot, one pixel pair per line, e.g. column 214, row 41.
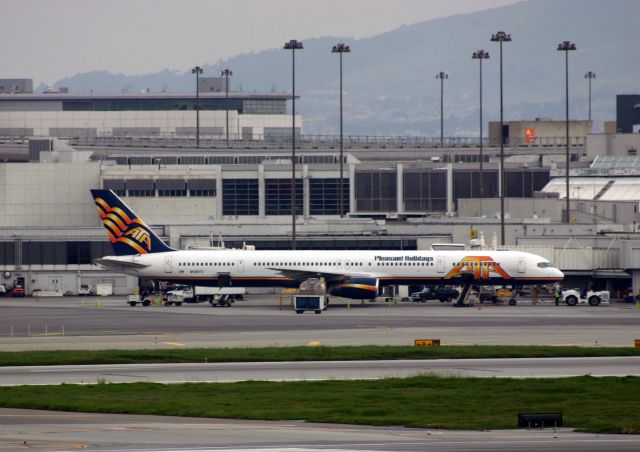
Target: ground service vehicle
column 216, row 296
column 85, row 289
column 104, row 290
column 315, row 303
column 135, row 299
column 441, row 293
column 488, row 294
column 574, row 296
column 496, row 295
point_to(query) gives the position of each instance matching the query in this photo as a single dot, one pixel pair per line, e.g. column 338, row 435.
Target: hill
column 389, row 79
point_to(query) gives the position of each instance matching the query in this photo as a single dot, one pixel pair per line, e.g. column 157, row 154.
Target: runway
column 56, row 431
column 319, row 370
column 98, row 323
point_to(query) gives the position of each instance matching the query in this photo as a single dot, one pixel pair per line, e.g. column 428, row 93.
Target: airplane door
column 440, row 264
column 522, row 265
column 240, row 266
column 167, row 264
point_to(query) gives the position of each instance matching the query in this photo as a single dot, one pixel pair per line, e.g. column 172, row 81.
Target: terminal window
column 278, row 197
column 117, row 185
column 61, row 253
column 171, row 187
column 240, row 197
column 376, row 191
column 7, row 253
column 466, row 184
column 324, row 196
column 425, row 191
column 522, row 184
column 201, row 187
column 140, row 187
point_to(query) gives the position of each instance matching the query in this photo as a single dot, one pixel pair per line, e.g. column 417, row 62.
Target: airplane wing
column 301, row 275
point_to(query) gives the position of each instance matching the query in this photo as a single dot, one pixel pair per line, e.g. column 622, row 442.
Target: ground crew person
column 557, row 293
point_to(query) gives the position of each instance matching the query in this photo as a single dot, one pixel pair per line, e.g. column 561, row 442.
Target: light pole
column 197, row 70
column 226, row 73
column 501, row 37
column 340, row 49
column 481, row 55
column 293, row 45
column 565, row 46
column 590, row 75
column 442, row 76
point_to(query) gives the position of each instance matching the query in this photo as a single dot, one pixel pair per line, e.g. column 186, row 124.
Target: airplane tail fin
column 127, row 233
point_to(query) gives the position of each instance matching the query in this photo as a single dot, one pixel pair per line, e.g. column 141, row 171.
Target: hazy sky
column 49, row 39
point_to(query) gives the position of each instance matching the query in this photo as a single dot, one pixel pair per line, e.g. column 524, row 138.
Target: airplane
column 349, row 274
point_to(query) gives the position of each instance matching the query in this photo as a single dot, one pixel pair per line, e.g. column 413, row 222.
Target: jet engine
column 356, row 288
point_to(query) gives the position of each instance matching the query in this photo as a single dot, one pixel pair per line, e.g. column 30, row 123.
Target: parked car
column 3, row 290
column 442, row 293
column 488, row 293
column 17, row 292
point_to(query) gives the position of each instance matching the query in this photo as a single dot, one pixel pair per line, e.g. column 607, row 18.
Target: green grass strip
column 607, row 404
column 322, row 353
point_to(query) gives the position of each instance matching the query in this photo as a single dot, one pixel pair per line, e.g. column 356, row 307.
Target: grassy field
column 591, row 404
column 321, row 353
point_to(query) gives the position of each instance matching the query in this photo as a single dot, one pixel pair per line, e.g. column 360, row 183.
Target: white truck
column 104, row 290
column 216, row 296
column 574, row 296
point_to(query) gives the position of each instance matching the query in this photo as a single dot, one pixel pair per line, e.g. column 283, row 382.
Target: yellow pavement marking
column 175, row 344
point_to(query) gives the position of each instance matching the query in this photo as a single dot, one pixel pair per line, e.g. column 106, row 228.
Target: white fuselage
column 275, row 268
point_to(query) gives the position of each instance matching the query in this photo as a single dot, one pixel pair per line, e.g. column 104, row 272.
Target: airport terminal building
column 50, row 232
column 244, row 116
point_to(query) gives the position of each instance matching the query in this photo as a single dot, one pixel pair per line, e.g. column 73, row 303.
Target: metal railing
column 236, row 141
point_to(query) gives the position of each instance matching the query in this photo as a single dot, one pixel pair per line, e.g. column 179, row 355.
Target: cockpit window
column 545, row 265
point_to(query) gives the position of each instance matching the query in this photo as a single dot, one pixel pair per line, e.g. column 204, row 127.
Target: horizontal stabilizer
column 116, row 264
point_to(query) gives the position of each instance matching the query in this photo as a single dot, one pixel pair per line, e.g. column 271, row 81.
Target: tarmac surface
column 58, row 431
column 98, row 323
column 101, row 323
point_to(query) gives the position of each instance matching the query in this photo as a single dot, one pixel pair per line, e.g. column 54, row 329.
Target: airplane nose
column 558, row 274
